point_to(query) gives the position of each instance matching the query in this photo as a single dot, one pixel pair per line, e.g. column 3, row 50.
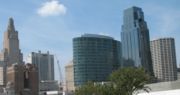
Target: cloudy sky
column 51, row 24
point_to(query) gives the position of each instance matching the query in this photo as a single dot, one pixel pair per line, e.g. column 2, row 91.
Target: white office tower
column 164, row 59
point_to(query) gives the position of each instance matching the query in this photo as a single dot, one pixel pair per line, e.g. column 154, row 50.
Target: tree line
column 124, row 81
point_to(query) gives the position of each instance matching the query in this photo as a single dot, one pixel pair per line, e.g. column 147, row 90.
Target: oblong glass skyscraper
column 135, row 40
column 94, row 58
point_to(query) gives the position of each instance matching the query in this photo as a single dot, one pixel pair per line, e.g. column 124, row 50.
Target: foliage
column 87, row 89
column 129, row 80
column 125, row 81
column 91, row 88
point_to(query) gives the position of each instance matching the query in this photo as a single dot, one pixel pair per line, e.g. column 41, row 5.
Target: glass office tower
column 135, row 40
column 94, row 58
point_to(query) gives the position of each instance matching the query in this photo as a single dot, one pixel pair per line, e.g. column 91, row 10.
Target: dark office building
column 94, row 58
column 135, row 40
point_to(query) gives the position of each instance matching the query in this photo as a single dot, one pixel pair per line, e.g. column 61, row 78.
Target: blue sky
column 51, row 24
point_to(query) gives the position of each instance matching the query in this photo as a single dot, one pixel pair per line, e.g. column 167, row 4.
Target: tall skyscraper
column 45, row 64
column 135, row 40
column 164, row 59
column 11, row 52
column 94, row 58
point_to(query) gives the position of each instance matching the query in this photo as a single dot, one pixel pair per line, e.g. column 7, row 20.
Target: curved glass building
column 94, row 58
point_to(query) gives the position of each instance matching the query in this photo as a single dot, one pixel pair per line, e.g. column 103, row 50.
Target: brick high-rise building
column 23, row 79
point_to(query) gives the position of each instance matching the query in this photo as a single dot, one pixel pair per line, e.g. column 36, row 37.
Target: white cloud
column 52, row 8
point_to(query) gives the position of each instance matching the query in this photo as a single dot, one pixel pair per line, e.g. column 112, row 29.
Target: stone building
column 23, row 79
column 11, row 52
column 1, row 74
column 69, row 73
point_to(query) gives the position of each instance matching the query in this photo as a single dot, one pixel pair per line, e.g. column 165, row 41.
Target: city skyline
column 54, row 32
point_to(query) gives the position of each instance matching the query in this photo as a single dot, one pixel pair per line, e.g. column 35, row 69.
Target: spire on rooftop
column 11, row 27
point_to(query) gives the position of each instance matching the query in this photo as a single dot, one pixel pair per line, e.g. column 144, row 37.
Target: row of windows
column 82, row 39
column 95, row 77
column 85, row 78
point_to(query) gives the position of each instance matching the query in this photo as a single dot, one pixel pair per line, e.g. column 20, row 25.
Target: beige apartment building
column 69, row 73
column 1, row 75
column 164, row 59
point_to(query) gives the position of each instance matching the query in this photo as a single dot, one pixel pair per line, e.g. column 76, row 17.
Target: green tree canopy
column 129, row 80
column 125, row 81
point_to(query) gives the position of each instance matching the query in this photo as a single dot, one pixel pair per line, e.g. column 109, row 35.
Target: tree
column 129, row 80
column 91, row 88
column 125, row 81
column 88, row 89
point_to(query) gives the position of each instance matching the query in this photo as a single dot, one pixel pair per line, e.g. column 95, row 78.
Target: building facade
column 135, row 40
column 47, row 86
column 178, row 73
column 69, row 73
column 94, row 58
column 11, row 53
column 164, row 59
column 45, row 64
column 23, row 79
column 1, row 74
